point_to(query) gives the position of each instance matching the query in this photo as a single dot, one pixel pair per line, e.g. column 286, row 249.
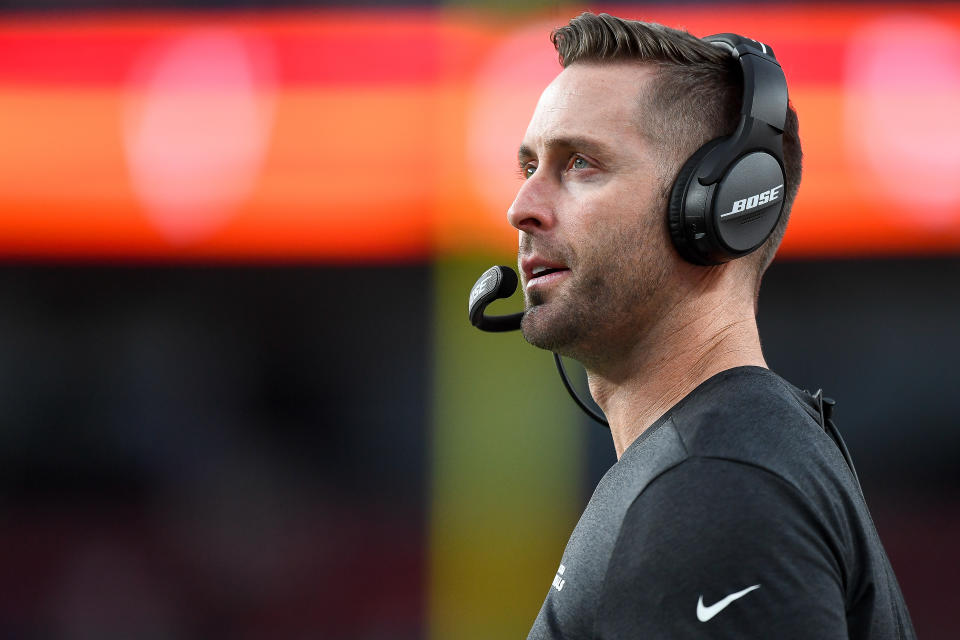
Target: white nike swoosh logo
column 705, row 613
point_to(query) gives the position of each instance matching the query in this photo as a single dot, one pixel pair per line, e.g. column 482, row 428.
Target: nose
column 532, row 209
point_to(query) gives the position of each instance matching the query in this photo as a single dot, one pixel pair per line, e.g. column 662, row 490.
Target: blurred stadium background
column 239, row 395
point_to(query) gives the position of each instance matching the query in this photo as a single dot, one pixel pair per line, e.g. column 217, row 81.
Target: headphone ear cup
column 675, row 207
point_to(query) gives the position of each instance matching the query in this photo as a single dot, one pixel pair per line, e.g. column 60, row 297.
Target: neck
column 681, row 352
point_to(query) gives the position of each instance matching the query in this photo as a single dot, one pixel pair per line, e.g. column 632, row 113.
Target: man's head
column 600, row 156
column 695, row 96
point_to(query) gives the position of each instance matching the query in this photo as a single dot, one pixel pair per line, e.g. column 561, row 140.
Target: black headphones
column 728, row 196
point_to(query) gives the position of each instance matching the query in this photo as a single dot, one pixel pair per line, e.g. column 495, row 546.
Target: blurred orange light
column 379, row 135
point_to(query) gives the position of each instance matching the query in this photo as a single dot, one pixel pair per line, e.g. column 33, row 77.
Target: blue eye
column 528, row 170
column 579, row 163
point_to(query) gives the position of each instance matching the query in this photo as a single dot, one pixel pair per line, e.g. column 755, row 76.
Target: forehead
column 589, row 100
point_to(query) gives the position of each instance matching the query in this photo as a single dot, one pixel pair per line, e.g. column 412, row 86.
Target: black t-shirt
column 733, row 516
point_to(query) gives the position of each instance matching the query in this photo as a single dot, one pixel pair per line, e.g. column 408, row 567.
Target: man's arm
column 721, row 549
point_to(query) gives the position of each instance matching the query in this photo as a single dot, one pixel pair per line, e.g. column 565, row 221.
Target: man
column 730, row 512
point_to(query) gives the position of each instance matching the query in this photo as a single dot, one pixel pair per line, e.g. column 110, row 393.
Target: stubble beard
column 606, row 304
column 560, row 323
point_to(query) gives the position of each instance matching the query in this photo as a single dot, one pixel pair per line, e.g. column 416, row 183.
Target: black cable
column 573, row 394
column 825, row 405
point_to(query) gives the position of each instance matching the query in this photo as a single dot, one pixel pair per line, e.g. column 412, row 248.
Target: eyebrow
column 584, row 143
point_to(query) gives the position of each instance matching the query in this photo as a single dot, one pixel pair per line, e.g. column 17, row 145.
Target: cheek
column 619, row 224
column 627, row 245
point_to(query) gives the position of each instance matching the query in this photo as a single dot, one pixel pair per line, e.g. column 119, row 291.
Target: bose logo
column 754, row 201
column 482, row 288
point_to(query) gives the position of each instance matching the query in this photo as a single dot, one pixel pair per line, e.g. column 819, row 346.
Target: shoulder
column 738, row 486
column 711, row 501
column 752, row 416
column 742, row 406
column 707, row 528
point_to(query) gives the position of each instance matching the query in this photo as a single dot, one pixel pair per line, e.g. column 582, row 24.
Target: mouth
column 542, row 274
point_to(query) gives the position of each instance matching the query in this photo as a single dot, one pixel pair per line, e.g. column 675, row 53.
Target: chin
column 551, row 329
column 536, row 326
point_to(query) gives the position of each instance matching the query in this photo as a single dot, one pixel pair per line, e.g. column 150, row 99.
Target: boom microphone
column 500, row 282
column 496, row 282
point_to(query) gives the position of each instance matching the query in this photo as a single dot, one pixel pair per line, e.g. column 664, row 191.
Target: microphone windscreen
column 496, row 282
column 509, row 282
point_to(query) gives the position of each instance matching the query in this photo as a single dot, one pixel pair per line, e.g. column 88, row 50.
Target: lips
column 538, row 271
column 543, row 271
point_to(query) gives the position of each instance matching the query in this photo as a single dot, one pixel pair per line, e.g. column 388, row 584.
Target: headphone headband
column 737, row 45
column 760, row 68
column 764, row 99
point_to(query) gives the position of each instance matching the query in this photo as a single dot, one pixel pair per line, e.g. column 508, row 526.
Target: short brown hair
column 695, row 94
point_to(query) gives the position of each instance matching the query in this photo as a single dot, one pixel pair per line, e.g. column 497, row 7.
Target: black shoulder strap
column 825, row 406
